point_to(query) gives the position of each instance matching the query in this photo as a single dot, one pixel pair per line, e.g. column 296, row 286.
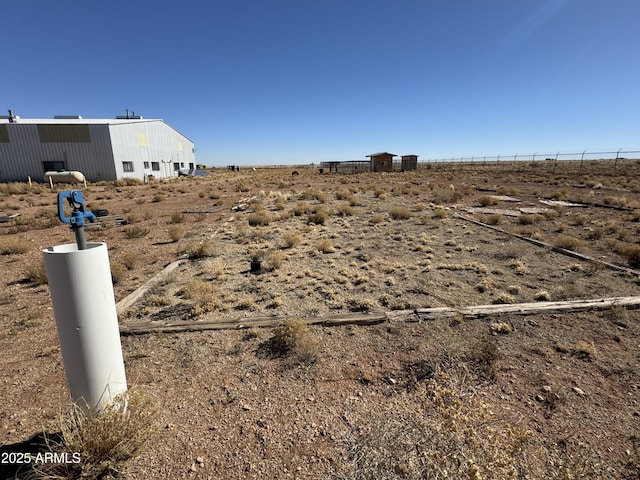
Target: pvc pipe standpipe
column 87, row 322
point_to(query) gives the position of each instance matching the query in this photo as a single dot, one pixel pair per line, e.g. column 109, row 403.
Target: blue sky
column 296, row 81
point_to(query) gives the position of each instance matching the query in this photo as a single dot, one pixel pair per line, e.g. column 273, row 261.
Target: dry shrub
column 104, row 443
column 176, row 232
column 177, row 217
column 400, row 213
column 631, row 252
column 259, row 219
column 345, row 210
column 136, row 231
column 158, row 198
column 319, row 216
column 36, row 273
column 585, row 350
column 129, row 260
column 446, row 195
column 530, row 218
column 569, row 243
column 273, row 260
column 325, row 245
column 14, row 244
column 133, row 218
column 206, row 248
column 314, row 193
column 291, row 239
column 377, row 219
column 197, row 290
column 501, row 327
column 118, row 272
column 487, row 201
column 300, row 208
column 293, row 339
column 440, row 213
column 494, row 219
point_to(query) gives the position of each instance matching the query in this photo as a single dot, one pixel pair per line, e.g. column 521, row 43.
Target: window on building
column 146, row 164
column 176, row 166
column 52, row 133
column 4, row 134
column 191, row 166
column 155, row 166
column 54, row 166
column 127, row 166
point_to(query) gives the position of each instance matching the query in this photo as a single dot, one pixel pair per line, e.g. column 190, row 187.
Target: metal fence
column 614, row 162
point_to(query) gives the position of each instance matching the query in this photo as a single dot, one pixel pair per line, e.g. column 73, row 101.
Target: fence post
column 555, row 162
column 615, row 165
column 581, row 159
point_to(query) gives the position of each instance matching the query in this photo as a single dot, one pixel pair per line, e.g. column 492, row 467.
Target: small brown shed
column 409, row 162
column 382, row 161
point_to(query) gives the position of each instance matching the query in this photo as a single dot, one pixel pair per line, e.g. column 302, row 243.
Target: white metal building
column 102, row 149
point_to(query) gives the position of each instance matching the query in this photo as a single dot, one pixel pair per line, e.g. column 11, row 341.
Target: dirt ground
column 331, row 244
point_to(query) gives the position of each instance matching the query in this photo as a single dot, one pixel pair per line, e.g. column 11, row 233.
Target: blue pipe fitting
column 79, row 214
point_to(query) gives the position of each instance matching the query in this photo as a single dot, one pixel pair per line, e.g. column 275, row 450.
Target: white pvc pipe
column 87, row 323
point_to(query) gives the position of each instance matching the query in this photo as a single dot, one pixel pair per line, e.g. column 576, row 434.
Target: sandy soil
column 333, row 244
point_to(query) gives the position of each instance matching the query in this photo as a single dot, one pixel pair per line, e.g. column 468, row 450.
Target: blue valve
column 78, row 215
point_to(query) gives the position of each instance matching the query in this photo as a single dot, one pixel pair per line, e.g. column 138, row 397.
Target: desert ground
column 256, row 384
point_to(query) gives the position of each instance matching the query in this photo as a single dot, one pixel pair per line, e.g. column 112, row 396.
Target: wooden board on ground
column 372, row 318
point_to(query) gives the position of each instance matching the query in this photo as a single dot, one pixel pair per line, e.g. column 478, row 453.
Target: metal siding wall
column 23, row 155
column 161, row 146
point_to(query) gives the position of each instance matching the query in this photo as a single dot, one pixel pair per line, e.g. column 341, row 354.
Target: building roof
column 381, row 153
column 74, row 120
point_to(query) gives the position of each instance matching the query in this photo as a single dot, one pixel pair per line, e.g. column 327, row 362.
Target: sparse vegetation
column 14, row 244
column 400, row 213
column 104, row 443
column 137, row 231
column 294, row 340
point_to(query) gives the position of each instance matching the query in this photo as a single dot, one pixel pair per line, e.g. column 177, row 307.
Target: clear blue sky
column 300, row 81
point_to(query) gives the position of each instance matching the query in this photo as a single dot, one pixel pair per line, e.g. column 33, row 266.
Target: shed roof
column 381, row 153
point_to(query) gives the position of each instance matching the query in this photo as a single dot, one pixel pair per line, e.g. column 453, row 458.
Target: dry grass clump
column 136, row 231
column 325, row 245
column 176, row 232
column 345, row 210
column 291, row 239
column 542, row 296
column 585, row 350
column 501, row 327
column 14, row 244
column 631, row 253
column 259, row 219
column 314, row 194
column 197, row 289
column 273, row 260
column 177, row 217
column 569, row 243
column 446, row 195
column 494, row 219
column 400, row 213
column 103, row 444
column 206, row 248
column 36, row 273
column 118, row 272
column 487, row 201
column 318, row 216
column 504, row 298
column 530, row 218
column 300, row 208
column 376, row 219
column 293, row 339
